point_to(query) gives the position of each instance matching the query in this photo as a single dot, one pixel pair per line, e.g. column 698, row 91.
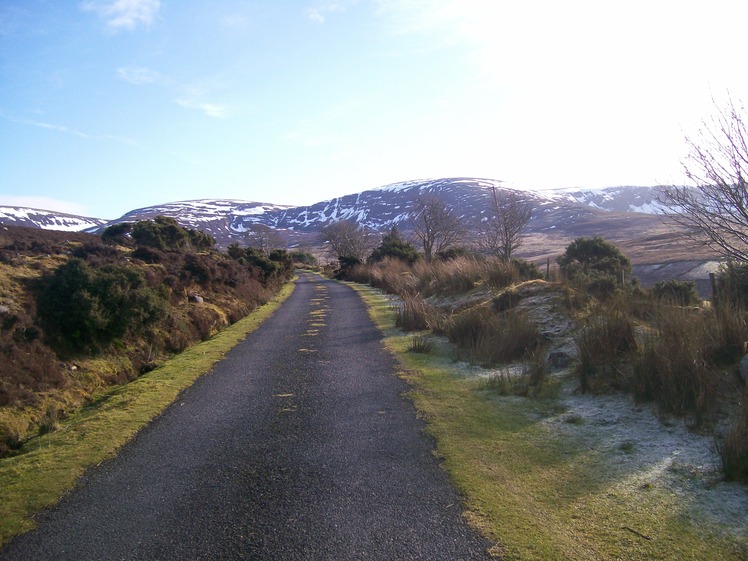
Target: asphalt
column 299, row 445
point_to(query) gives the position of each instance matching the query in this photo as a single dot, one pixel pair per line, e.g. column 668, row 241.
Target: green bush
column 732, row 285
column 593, row 257
column 164, row 233
column 527, row 270
column 83, row 308
column 116, row 233
column 681, row 293
column 394, row 246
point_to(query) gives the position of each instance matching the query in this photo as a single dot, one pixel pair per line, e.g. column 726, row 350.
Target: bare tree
column 504, row 228
column 264, row 238
column 435, row 225
column 346, row 239
column 714, row 211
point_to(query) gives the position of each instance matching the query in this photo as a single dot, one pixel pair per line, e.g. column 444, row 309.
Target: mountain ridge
column 559, row 214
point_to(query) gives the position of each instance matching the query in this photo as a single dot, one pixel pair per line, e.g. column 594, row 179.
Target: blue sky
column 111, row 105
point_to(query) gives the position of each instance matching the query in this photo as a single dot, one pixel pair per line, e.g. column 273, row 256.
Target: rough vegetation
column 661, row 345
column 81, row 312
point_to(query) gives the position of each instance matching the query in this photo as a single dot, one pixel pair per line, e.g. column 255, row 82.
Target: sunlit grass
column 49, row 465
column 537, row 494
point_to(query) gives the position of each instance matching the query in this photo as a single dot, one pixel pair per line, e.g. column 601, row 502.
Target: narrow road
column 298, row 446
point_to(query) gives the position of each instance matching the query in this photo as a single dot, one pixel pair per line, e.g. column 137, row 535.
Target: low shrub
column 412, row 315
column 486, row 338
column 84, row 308
column 728, row 335
column 500, row 274
column 421, row 344
column 455, row 276
column 673, row 368
column 529, row 380
column 680, row 293
column 732, row 285
column 733, row 447
column 527, row 270
column 601, row 345
column 505, row 300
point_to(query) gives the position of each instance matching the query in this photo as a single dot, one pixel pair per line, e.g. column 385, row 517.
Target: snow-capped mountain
column 616, row 199
column 560, row 213
column 46, row 219
column 224, row 219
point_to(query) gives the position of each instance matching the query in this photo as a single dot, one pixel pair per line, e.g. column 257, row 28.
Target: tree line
column 436, row 230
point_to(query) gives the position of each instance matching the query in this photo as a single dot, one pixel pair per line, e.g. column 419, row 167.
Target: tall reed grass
column 486, row 338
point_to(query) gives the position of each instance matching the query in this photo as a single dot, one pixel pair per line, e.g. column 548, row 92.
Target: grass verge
column 50, row 464
column 537, row 494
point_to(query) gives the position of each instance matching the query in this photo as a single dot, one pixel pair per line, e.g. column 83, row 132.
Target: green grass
column 537, row 494
column 50, row 465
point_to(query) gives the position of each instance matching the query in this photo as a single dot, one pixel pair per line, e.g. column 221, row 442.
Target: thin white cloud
column 140, row 75
column 210, row 109
column 51, row 126
column 73, row 132
column 124, row 14
column 318, row 13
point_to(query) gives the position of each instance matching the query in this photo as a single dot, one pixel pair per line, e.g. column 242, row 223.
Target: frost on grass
column 647, row 452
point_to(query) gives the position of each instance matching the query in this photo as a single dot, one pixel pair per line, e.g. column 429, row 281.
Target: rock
column 558, row 360
column 196, row 298
column 743, row 369
column 4, row 309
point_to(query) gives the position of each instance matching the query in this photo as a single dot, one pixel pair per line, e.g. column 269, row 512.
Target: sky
column 111, row 105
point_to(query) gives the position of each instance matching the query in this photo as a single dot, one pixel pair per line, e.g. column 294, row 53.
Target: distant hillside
column 625, row 215
column 559, row 215
column 47, row 219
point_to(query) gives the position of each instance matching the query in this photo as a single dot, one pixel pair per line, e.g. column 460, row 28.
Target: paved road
column 298, row 446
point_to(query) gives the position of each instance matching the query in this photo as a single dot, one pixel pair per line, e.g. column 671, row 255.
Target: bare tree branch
column 347, row 239
column 434, row 225
column 503, row 230
column 714, row 212
column 264, row 238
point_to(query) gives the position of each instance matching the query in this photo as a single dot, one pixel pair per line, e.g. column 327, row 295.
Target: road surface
column 298, row 446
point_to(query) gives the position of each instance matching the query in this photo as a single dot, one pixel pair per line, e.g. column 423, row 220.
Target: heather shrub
column 205, row 320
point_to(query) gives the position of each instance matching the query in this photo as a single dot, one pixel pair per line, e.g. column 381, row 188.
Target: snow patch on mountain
column 46, row 220
column 613, row 199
